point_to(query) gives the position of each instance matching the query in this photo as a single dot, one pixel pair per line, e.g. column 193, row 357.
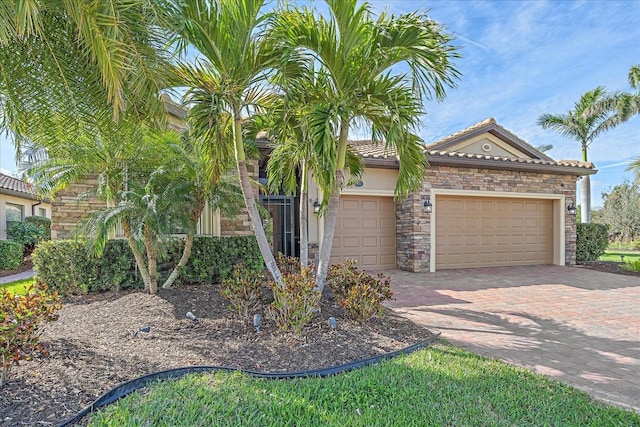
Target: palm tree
column 357, row 60
column 229, row 75
column 54, row 55
column 584, row 123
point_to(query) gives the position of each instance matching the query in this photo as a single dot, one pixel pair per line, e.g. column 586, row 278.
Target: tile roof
column 566, row 163
column 16, row 185
column 470, row 129
column 370, row 150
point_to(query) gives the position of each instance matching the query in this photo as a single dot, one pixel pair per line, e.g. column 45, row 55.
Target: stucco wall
column 27, row 208
column 413, row 224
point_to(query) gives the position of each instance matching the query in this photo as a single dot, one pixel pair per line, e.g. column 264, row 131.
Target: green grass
column 18, row 287
column 437, row 386
column 614, row 255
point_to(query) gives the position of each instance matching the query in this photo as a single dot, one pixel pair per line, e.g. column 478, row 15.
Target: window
column 42, row 212
column 14, row 213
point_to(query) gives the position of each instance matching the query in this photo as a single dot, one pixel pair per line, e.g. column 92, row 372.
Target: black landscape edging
column 129, row 387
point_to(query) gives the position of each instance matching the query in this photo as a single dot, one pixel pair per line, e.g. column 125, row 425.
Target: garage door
column 488, row 232
column 366, row 231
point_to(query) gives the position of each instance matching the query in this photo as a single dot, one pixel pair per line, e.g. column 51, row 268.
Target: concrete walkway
column 19, row 276
column 578, row 326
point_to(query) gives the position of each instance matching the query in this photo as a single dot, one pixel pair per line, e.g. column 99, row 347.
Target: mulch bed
column 93, row 348
column 608, row 267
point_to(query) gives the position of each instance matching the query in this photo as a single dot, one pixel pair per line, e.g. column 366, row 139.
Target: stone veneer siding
column 67, row 210
column 413, row 223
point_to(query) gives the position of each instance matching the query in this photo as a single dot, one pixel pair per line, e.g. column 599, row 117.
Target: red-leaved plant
column 21, row 321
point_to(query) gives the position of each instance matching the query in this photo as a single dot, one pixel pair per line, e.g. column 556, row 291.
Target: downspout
column 33, row 207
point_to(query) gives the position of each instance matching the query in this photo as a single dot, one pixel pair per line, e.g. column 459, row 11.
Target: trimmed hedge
column 70, row 266
column 213, row 258
column 10, row 255
column 592, row 240
column 43, row 223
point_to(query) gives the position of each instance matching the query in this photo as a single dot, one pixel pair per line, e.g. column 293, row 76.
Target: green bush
column 11, row 255
column 66, row 266
column 294, row 303
column 26, row 234
column 360, row 294
column 243, row 290
column 42, row 222
column 213, row 258
column 635, row 245
column 20, row 320
column 592, row 240
column 69, row 266
column 633, row 265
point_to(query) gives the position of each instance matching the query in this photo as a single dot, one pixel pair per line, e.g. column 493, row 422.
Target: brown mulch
column 608, row 267
column 93, row 348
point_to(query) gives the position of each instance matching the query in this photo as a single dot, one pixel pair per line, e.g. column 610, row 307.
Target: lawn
column 614, row 255
column 441, row 385
column 18, row 287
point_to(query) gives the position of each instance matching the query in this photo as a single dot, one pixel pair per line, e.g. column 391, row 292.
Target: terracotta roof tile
column 370, row 150
column 483, row 123
column 566, row 163
column 17, row 185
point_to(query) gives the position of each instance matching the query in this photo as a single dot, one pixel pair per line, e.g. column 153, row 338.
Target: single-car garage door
column 366, row 231
column 489, row 232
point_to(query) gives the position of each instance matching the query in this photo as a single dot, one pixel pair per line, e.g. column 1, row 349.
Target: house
column 18, row 200
column 493, row 200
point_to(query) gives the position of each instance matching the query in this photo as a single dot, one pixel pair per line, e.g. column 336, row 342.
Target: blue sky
column 522, row 59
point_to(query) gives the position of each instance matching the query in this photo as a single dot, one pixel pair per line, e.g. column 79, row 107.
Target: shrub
column 11, row 255
column 43, row 223
column 26, row 234
column 70, row 266
column 635, row 245
column 66, row 266
column 633, row 265
column 287, row 264
column 592, row 239
column 342, row 277
column 360, row 294
column 21, row 318
column 243, row 290
column 294, row 303
column 213, row 258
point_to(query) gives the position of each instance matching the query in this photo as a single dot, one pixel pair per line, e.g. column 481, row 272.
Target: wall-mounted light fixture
column 428, row 206
column 316, row 207
column 571, row 209
column 359, row 183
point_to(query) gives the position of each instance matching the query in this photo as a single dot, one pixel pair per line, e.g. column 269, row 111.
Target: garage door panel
column 483, row 231
column 367, row 232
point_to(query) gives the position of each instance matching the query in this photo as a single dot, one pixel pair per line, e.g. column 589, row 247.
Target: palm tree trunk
column 142, row 265
column 250, row 202
column 152, row 258
column 186, row 253
column 332, row 209
column 585, row 200
column 304, row 208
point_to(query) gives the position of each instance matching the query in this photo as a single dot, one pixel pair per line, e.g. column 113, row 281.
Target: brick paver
column 578, row 326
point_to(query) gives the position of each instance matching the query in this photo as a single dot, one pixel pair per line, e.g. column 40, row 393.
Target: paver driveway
column 579, row 326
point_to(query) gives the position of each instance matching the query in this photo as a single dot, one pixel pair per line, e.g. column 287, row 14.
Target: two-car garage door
column 493, row 231
column 470, row 231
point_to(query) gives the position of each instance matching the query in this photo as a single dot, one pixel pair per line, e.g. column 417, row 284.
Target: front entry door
column 282, row 210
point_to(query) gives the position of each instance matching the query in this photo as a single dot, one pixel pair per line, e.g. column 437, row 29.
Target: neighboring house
column 495, row 201
column 19, row 200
